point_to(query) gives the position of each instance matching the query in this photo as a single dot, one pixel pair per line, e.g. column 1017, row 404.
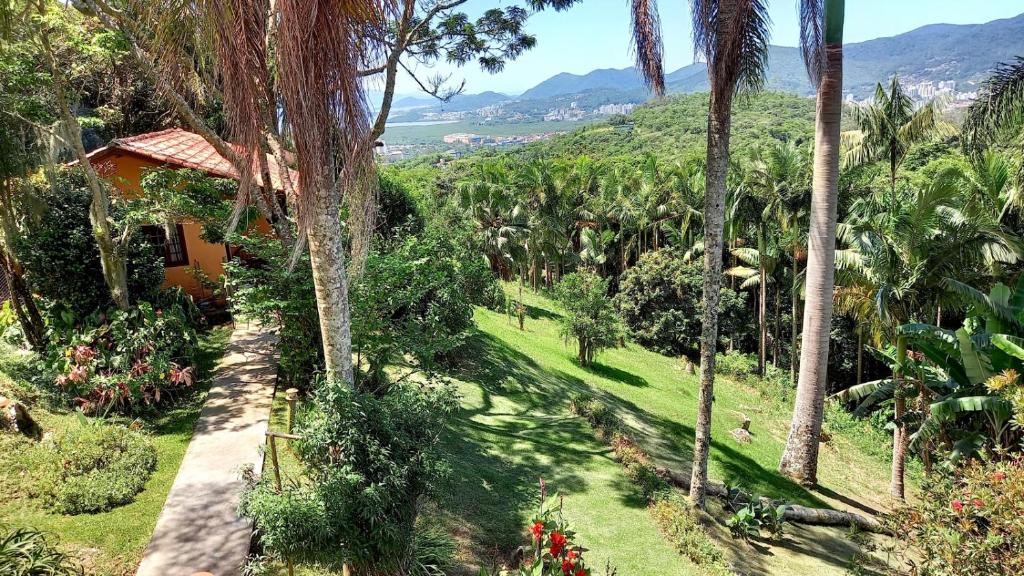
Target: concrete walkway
column 199, row 529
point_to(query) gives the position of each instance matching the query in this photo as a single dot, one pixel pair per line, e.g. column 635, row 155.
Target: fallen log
column 794, row 512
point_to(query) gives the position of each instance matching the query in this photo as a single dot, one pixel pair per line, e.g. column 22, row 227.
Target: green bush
column 736, row 363
column 28, row 553
column 678, row 522
column 369, row 459
column 660, row 300
column 90, row 469
column 122, row 360
column 589, row 317
column 968, row 521
column 61, row 260
column 598, row 414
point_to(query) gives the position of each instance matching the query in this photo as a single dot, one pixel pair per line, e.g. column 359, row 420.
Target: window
column 174, row 247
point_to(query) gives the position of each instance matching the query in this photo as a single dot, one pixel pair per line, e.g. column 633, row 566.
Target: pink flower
column 140, row 368
column 78, row 374
column 957, row 506
column 978, row 503
column 84, row 354
column 999, row 476
column 61, row 380
column 159, row 313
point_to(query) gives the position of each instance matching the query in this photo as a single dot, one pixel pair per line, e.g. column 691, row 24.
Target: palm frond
column 812, row 38
column 647, row 43
column 998, row 109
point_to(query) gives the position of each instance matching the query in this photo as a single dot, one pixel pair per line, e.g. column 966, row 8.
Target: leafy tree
column 589, row 317
column 659, row 301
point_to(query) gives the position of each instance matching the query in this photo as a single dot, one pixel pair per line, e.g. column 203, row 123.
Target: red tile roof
column 177, row 147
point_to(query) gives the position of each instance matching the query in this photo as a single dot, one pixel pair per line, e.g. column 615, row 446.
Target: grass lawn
column 514, row 428
column 111, row 543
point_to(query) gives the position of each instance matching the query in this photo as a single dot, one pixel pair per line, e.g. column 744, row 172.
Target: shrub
column 28, row 553
column 61, row 260
column 736, row 363
column 598, row 414
column 369, row 458
column 589, row 317
column 90, row 469
column 140, row 356
column 967, row 522
column 679, row 524
column 660, row 300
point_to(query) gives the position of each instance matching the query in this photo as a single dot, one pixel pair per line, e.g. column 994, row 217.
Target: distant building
column 609, row 109
column 463, row 138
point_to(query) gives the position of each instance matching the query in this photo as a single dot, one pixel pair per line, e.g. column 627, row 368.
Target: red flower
column 571, row 555
column 999, row 476
column 978, row 503
column 957, row 506
column 537, row 530
column 580, row 572
column 566, row 566
column 557, row 543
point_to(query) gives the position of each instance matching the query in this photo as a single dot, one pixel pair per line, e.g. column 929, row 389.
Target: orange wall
column 125, row 171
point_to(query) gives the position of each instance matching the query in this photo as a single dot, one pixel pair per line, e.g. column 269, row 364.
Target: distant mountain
column 456, row 104
column 964, row 53
column 566, row 83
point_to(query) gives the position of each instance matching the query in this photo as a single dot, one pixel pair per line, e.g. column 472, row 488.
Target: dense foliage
column 60, row 256
column 589, row 318
column 660, row 302
column 122, row 360
column 967, row 522
column 29, row 553
column 88, row 469
column 369, row 457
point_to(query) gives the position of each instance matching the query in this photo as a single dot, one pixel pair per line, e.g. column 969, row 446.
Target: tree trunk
column 800, row 459
column 112, row 263
column 860, row 354
column 719, row 120
column 899, row 432
column 795, row 335
column 778, row 326
column 762, row 304
column 330, row 280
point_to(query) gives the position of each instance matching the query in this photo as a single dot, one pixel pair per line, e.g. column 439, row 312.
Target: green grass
column 515, row 427
column 111, row 543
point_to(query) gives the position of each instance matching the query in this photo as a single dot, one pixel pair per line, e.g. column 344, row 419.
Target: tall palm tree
column 887, row 128
column 901, row 250
column 732, row 36
column 488, row 195
column 999, row 109
column 821, row 38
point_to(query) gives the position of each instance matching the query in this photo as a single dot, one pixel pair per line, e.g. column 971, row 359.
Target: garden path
column 199, row 529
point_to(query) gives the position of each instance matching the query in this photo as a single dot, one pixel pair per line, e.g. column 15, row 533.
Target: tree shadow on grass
column 618, row 375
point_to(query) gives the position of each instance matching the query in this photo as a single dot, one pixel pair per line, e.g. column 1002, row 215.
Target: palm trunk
column 794, row 336
column 330, row 280
column 719, row 120
column 800, row 459
column 899, row 432
column 762, row 304
column 778, row 326
column 860, row 355
column 114, row 267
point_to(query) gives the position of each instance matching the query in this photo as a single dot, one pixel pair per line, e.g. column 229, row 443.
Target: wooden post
column 291, row 394
column 272, row 436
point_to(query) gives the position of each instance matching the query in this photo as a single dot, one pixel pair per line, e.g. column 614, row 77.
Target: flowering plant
column 969, row 521
column 121, row 360
column 553, row 551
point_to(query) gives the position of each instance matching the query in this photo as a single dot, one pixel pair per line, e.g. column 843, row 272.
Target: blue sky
column 595, row 34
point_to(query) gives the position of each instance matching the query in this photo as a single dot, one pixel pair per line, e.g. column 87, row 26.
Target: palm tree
column 902, row 249
column 489, row 197
column 732, row 36
column 887, row 128
column 821, row 35
column 999, row 109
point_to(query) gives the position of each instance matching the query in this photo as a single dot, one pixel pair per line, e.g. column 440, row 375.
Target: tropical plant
column 999, row 110
column 25, row 552
column 590, row 317
column 887, row 128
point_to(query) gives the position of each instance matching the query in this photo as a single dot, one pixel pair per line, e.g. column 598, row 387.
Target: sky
column 595, row 34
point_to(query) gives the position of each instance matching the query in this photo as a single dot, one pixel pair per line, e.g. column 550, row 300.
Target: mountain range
column 962, row 53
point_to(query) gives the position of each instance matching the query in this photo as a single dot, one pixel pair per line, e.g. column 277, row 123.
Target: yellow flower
column 163, row 375
column 67, row 353
column 1002, row 380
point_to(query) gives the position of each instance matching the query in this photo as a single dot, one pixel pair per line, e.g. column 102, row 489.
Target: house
column 124, row 161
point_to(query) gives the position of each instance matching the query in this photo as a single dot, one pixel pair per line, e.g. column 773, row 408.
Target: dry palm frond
column 812, row 38
column 732, row 36
column 646, row 29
